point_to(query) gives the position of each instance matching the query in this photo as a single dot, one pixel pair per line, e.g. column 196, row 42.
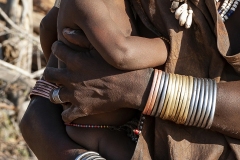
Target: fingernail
column 68, row 31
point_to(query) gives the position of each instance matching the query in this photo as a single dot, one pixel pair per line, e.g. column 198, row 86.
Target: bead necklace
column 132, row 133
column 88, row 126
column 228, row 8
column 183, row 11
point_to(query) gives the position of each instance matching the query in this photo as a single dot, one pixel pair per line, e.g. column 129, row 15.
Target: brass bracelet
column 184, row 100
column 181, row 97
column 175, row 97
column 190, row 91
column 162, row 115
column 170, row 108
column 177, row 102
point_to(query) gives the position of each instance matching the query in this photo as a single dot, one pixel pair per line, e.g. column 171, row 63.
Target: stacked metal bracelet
column 43, row 88
column 89, row 155
column 182, row 99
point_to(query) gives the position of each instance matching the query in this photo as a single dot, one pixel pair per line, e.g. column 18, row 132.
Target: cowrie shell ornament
column 182, row 13
column 180, row 10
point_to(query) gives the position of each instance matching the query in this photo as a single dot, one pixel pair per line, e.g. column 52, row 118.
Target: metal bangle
column 205, row 102
column 89, row 156
column 155, row 107
column 145, row 111
column 192, row 101
column 174, row 98
column 163, row 95
column 200, row 103
column 181, row 98
column 170, row 91
column 213, row 105
column 196, row 102
column 154, row 96
column 163, row 113
column 184, row 100
column 209, row 105
column 177, row 102
column 190, row 92
column 54, row 95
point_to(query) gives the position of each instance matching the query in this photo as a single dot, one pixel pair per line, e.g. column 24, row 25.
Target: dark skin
column 102, row 138
column 222, row 123
column 116, row 27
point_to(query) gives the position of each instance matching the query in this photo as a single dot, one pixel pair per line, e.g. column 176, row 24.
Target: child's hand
column 77, row 40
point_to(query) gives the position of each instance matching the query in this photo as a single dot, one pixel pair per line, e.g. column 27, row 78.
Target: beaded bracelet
column 42, row 88
column 182, row 99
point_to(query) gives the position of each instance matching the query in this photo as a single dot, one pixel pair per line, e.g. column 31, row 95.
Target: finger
column 63, row 52
column 55, row 75
column 65, row 95
column 77, row 37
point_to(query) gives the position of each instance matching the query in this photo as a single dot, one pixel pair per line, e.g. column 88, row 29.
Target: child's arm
column 123, row 52
column 48, row 31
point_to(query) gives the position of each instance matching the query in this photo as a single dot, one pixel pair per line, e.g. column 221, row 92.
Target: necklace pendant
column 180, row 10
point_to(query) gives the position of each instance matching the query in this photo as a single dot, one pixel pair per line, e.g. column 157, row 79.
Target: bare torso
column 92, row 139
column 95, row 139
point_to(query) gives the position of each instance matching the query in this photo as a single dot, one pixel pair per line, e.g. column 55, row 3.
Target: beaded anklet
column 182, row 99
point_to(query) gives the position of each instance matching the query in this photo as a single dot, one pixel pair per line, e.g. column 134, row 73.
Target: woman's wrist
column 136, row 93
column 183, row 99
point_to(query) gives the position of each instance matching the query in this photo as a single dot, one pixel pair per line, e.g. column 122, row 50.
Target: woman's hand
column 95, row 86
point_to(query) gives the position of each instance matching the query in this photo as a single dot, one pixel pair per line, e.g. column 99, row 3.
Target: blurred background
column 21, row 63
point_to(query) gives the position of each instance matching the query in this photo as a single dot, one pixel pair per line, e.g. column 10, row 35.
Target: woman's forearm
column 44, row 131
column 226, row 119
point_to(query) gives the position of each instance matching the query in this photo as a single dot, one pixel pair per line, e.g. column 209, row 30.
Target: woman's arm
column 226, row 119
column 106, row 88
column 122, row 52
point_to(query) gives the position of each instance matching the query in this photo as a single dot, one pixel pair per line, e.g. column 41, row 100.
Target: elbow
column 122, row 60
